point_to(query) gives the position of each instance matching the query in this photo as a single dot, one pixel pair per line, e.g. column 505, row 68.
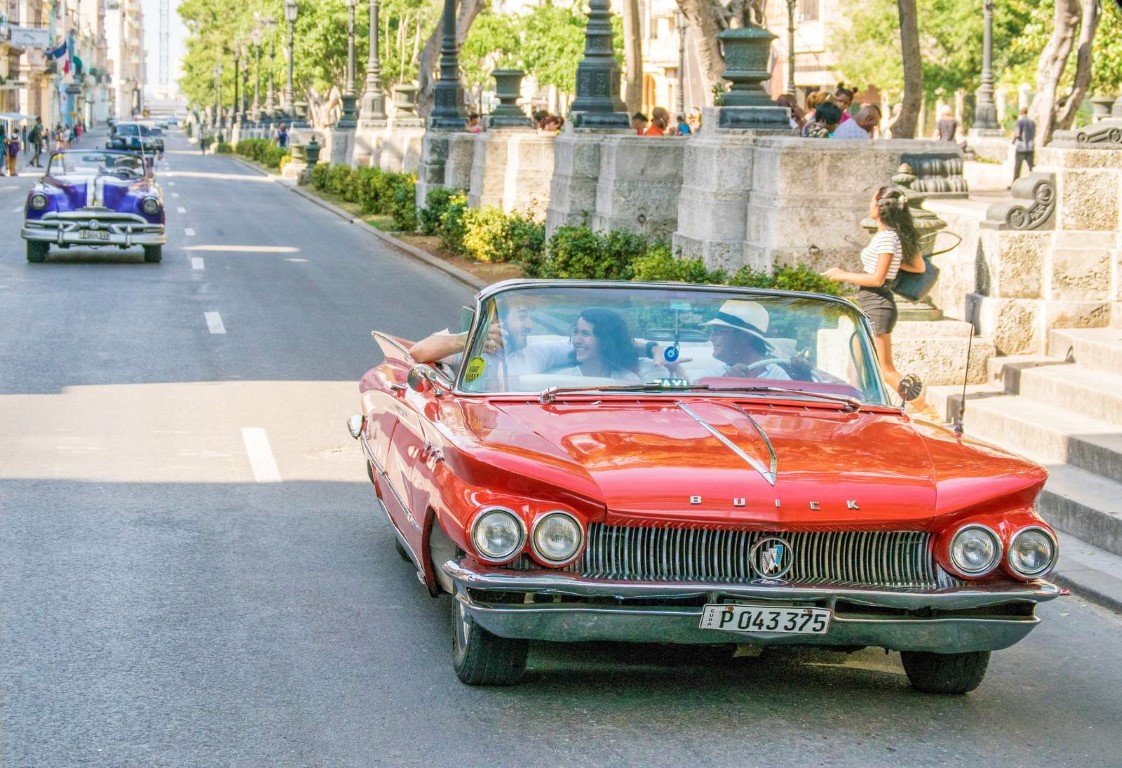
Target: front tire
column 153, row 254
column 481, row 658
column 945, row 672
column 37, row 251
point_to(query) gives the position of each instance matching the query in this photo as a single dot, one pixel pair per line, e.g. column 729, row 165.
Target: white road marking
column 214, row 322
column 17, row 210
column 197, row 263
column 189, row 232
column 181, row 209
column 175, row 194
column 260, row 455
column 171, row 183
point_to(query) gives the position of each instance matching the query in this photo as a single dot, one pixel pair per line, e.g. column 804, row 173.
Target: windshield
column 531, row 338
column 94, row 162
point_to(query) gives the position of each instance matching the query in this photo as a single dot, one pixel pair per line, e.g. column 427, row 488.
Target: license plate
column 766, row 618
column 93, row 234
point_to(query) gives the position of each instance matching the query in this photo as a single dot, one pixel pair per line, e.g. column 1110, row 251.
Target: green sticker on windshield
column 475, row 368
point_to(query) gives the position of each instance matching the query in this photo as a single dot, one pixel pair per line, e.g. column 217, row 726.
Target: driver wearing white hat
column 738, row 333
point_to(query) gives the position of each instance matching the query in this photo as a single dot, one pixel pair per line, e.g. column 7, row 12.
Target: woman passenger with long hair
column 894, row 247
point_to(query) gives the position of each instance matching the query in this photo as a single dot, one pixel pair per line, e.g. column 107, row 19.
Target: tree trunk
column 1053, row 61
column 707, row 18
column 905, row 126
column 632, row 56
column 430, row 54
column 1092, row 13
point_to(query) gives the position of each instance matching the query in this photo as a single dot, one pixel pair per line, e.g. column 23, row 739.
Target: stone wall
column 638, row 183
column 512, row 169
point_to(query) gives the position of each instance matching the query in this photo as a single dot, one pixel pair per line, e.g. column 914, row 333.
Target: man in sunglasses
column 738, row 333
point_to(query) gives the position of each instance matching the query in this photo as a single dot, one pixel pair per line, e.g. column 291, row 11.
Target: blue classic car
column 95, row 198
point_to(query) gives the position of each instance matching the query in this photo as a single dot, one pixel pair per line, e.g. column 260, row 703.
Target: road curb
column 463, row 276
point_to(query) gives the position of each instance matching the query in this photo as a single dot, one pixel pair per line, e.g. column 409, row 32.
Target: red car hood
column 656, row 461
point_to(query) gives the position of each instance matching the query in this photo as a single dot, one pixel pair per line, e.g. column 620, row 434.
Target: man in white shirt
column 861, row 126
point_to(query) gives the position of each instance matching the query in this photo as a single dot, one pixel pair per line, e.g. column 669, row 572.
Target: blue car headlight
column 150, row 205
column 38, row 201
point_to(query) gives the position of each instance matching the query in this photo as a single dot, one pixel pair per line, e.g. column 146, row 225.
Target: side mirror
column 420, row 378
column 910, row 387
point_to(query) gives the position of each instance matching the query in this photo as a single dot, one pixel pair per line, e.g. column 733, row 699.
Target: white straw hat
column 743, row 315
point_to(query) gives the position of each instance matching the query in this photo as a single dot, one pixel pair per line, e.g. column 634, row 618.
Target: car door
column 409, row 447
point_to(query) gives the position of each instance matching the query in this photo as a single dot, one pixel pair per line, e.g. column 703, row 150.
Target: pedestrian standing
column 282, row 136
column 1024, row 136
column 11, row 151
column 36, row 139
column 895, row 246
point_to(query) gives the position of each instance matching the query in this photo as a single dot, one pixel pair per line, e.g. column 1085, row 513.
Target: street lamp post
column 598, row 104
column 290, row 11
column 791, row 45
column 256, row 108
column 237, row 78
column 348, row 118
column 985, row 111
column 447, row 111
column 218, row 112
column 373, row 111
column 680, row 25
column 270, row 105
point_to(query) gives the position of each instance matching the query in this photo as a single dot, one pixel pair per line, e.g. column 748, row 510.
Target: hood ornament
column 768, row 473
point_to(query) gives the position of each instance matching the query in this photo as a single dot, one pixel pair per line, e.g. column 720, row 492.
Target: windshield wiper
column 665, row 385
column 681, row 385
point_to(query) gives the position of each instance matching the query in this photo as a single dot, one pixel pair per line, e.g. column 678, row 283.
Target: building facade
column 124, row 26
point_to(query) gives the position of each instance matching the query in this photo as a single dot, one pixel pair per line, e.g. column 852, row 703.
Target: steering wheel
column 742, row 368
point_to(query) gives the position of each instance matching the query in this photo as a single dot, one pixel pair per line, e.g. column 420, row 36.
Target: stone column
column 598, row 104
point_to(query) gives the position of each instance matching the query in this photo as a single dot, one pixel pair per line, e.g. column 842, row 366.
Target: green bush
column 452, row 223
column 658, row 264
column 492, row 235
column 579, row 252
column 319, row 176
column 436, row 203
column 223, row 148
column 404, row 205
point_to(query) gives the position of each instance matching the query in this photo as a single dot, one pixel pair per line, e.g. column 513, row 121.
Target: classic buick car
column 695, row 464
column 94, row 199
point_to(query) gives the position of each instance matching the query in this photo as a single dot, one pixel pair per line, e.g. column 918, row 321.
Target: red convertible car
column 695, row 464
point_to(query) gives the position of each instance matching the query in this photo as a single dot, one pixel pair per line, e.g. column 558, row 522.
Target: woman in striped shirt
column 894, row 247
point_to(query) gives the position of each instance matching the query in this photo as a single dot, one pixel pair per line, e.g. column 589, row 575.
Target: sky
column 177, row 34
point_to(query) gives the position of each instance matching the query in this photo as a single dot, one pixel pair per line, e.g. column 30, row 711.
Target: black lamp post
column 985, row 111
column 598, row 104
column 237, row 78
column 373, row 111
column 680, row 25
column 290, row 10
column 447, row 112
column 791, row 4
column 348, row 118
column 270, row 105
column 256, row 108
column 219, row 114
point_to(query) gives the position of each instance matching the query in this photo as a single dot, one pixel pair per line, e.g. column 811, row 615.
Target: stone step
column 1087, row 391
column 1091, row 571
column 1005, row 372
column 1084, row 505
column 1040, row 431
column 1098, row 348
column 937, row 351
column 1100, row 454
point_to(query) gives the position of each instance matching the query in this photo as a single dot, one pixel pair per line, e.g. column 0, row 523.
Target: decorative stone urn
column 746, row 52
column 1100, row 107
column 508, row 87
column 405, row 100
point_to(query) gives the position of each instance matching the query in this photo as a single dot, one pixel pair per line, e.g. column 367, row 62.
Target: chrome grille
column 893, row 559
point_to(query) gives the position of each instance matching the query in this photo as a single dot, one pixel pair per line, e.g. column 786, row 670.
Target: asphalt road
column 193, row 571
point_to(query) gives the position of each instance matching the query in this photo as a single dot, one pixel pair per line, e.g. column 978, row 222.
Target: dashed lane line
column 181, row 209
column 197, row 263
column 214, row 322
column 260, row 455
column 189, row 232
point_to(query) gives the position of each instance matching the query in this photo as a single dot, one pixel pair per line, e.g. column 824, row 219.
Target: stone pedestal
column 457, row 166
column 576, row 170
column 430, row 170
column 367, row 146
column 400, row 149
column 512, row 170
column 639, row 182
column 993, row 146
column 338, row 145
column 1051, row 257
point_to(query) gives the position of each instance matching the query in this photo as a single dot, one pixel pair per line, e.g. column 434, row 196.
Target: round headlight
column 975, row 550
column 150, row 205
column 38, row 201
column 498, row 534
column 557, row 537
column 1032, row 552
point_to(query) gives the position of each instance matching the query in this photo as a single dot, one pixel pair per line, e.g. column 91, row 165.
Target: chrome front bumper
column 548, row 605
column 121, row 231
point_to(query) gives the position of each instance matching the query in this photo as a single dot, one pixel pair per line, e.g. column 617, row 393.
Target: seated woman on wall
column 602, row 347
